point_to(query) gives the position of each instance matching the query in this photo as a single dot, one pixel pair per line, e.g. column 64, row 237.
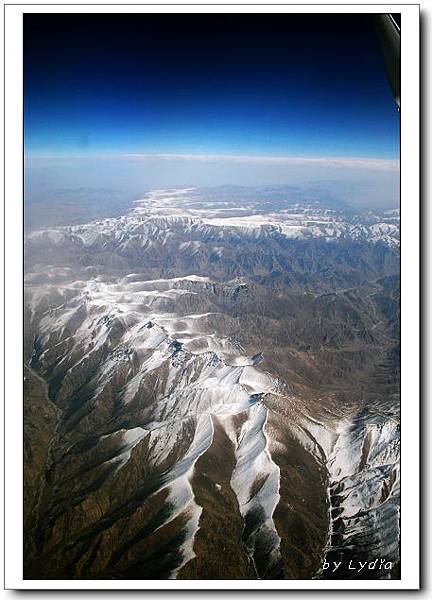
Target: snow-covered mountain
column 163, row 213
column 212, row 391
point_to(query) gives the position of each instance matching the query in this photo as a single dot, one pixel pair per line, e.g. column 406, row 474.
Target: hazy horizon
column 112, row 183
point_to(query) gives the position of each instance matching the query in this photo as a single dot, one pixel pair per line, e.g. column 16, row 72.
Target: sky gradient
column 266, row 85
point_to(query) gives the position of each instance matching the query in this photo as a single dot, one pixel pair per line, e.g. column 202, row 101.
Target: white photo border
column 410, row 300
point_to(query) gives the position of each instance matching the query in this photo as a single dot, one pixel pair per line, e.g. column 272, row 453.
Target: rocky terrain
column 212, row 391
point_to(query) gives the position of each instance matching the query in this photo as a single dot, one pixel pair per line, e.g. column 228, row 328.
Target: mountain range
column 212, row 390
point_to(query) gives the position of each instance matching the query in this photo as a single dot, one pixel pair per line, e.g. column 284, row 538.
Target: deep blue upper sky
column 231, row 84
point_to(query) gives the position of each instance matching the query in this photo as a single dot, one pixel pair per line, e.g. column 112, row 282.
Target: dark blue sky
column 232, row 84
